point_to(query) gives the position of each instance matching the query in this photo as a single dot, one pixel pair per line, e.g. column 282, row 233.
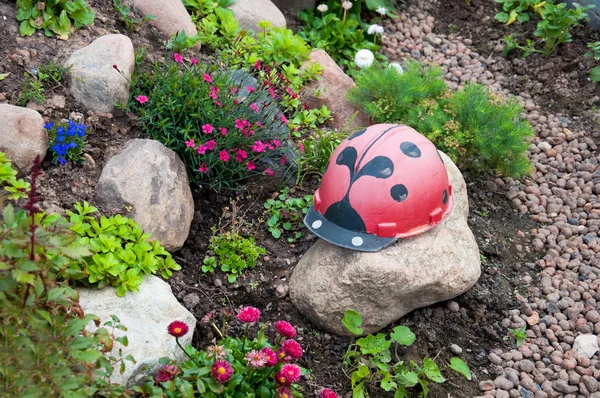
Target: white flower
column 346, row 5
column 323, row 8
column 364, row 58
column 375, row 29
column 381, row 11
column 397, row 67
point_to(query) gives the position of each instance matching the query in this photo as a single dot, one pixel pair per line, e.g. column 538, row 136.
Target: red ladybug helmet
column 382, row 183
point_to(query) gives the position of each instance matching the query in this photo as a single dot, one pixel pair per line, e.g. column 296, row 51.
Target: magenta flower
column 257, row 64
column 194, row 61
column 241, row 155
column 203, row 168
column 177, row 329
column 249, row 314
column 217, row 103
column 282, row 160
column 168, row 372
column 287, row 375
column 178, row 58
column 201, row 149
column 283, row 392
column 277, row 143
column 250, row 165
column 239, row 124
column 327, row 393
column 222, row 371
column 207, row 78
column 301, row 148
column 272, row 92
column 216, row 351
column 270, row 355
column 250, row 89
column 210, row 145
column 285, row 329
column 224, row 156
column 283, row 356
column 284, row 120
column 207, row 128
column 269, row 172
column 254, row 107
column 292, row 348
column 256, row 359
column 190, row 143
column 258, row 147
column 142, row 99
column 223, row 131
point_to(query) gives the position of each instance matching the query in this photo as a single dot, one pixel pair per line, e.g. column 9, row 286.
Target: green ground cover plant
column 54, row 17
column 286, row 214
column 318, row 148
column 14, row 188
column 479, row 130
column 132, row 24
column 37, row 81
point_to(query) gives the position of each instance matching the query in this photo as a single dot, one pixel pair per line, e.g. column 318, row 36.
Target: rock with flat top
column 22, row 136
column 250, row 12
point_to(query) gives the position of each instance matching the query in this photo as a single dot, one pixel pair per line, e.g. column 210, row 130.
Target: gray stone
column 295, row 4
column 191, row 300
column 503, row 383
column 22, row 136
column 150, row 180
column 250, row 12
column 171, row 16
column 93, row 80
column 586, row 345
column 146, row 314
column 435, row 266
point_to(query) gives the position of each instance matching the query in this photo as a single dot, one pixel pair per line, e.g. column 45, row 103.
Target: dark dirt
column 475, row 326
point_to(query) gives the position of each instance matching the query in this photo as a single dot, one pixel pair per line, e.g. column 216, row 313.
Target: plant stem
column 245, row 334
column 186, row 353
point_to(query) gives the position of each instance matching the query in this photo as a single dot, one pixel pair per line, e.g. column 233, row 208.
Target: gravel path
column 561, row 312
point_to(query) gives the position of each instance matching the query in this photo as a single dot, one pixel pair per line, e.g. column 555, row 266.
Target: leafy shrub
column 55, row 17
column 233, row 367
column 370, row 362
column 16, row 189
column 318, row 148
column 44, row 350
column 595, row 53
column 36, row 81
column 235, row 253
column 518, row 10
column 66, row 140
column 477, row 129
column 286, row 214
column 121, row 253
column 219, row 128
column 131, row 24
column 180, row 42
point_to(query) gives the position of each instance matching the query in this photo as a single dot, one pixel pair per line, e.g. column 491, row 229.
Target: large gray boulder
column 295, row 4
column 416, row 272
column 150, row 180
column 330, row 89
column 250, row 12
column 22, row 136
column 93, row 80
column 171, row 16
column 146, row 315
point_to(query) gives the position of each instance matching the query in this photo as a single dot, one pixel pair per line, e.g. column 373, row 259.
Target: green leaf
column 214, row 386
column 460, row 366
column 403, row 336
column 26, row 29
column 407, row 378
column 432, row 371
column 186, row 389
column 595, row 74
column 353, row 322
column 275, row 232
column 373, row 344
column 4, row 76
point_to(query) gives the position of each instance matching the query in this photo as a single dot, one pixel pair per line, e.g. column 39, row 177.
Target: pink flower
column 223, row 131
column 208, row 317
column 201, row 149
column 258, row 147
column 203, row 168
column 207, row 78
column 285, row 329
column 269, row 172
column 257, row 64
column 270, row 355
column 239, row 124
column 283, row 356
column 301, row 148
column 222, row 371
column 284, row 392
column 276, row 142
column 256, row 359
column 269, row 146
column 178, row 58
column 194, row 61
column 249, row 315
column 327, row 393
column 250, row 89
column 287, row 375
column 210, row 145
column 292, row 348
column 168, row 372
column 216, row 351
column 259, row 124
column 284, row 120
column 224, row 156
column 254, row 107
column 250, row 165
column 177, row 328
column 272, row 92
column 282, row 159
column 142, row 99
column 214, row 91
column 190, row 144
column 241, row 155
column 217, row 103
column 207, row 128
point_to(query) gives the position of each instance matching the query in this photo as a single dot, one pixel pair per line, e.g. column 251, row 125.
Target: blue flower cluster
column 68, row 140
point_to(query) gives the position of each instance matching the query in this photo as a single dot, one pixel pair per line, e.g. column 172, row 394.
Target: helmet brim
column 339, row 236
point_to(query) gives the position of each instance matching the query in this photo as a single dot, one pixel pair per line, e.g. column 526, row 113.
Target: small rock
column 191, row 300
column 455, row 349
column 586, row 345
column 452, row 306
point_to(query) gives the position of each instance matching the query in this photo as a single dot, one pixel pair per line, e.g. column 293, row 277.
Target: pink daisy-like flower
column 194, row 61
column 142, row 99
column 288, row 374
column 203, row 168
column 284, row 392
column 254, row 107
column 256, row 359
column 207, row 128
column 284, row 119
column 166, row 373
column 223, row 131
column 327, row 393
column 269, row 172
column 201, row 149
column 270, row 355
column 222, row 371
column 283, row 356
column 190, row 143
column 282, row 159
column 224, row 156
column 292, row 348
column 258, row 147
column 250, row 89
column 249, row 314
column 250, row 165
column 216, row 351
column 285, row 329
column 272, row 93
column 210, row 145
column 178, row 58
column 208, row 317
column 241, row 155
column 207, row 78
column 301, row 148
column 239, row 124
column 177, row 328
